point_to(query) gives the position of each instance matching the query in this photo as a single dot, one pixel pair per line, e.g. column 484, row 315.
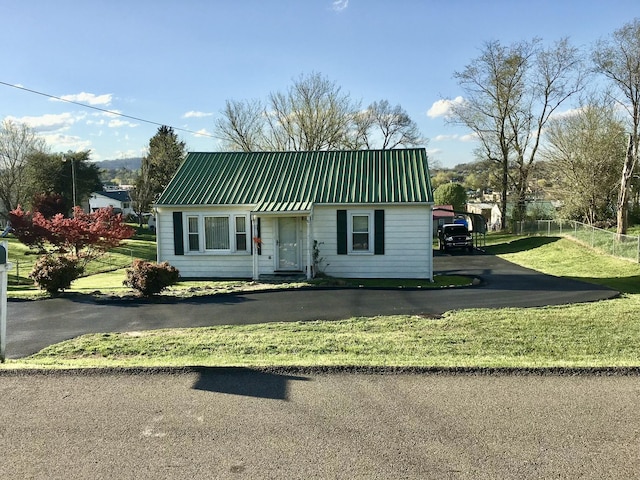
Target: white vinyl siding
column 407, row 244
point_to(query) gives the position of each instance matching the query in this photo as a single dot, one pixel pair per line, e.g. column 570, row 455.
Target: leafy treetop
column 87, row 235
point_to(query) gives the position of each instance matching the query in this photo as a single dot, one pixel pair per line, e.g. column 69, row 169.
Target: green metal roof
column 285, row 181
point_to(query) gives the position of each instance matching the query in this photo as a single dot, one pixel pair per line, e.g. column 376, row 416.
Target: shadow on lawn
column 245, row 382
column 520, row 245
column 630, row 285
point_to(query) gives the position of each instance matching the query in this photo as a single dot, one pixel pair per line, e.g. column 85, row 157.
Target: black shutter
column 178, row 238
column 342, row 232
column 378, row 231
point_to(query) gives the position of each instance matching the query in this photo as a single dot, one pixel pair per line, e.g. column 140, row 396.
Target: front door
column 288, row 245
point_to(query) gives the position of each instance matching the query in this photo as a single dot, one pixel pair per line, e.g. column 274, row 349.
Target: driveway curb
column 332, row 370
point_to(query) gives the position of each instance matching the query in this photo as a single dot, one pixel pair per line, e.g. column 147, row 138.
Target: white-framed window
column 193, row 232
column 241, row 233
column 217, row 233
column 360, row 232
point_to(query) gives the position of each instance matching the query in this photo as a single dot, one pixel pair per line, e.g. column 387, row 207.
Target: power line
column 111, row 112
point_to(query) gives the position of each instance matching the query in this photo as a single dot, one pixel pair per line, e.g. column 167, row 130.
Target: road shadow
column 245, row 382
column 520, row 245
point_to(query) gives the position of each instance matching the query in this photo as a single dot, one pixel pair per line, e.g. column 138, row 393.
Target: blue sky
column 176, row 62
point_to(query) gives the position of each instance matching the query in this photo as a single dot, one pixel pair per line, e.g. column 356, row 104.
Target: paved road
column 34, row 325
column 235, row 423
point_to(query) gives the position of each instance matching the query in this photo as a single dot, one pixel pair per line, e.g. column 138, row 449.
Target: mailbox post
column 4, row 268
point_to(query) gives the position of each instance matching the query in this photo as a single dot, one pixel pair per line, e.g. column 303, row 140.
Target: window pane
column 240, row 225
column 360, row 223
column 194, row 242
column 241, row 241
column 193, row 224
column 216, row 233
column 360, row 241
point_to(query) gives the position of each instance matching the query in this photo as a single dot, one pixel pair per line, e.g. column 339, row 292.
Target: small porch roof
column 283, row 208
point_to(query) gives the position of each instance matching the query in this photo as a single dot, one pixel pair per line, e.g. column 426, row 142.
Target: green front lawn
column 585, row 335
column 603, row 334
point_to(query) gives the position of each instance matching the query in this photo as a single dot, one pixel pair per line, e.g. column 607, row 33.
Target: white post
column 255, row 245
column 4, row 267
column 309, row 247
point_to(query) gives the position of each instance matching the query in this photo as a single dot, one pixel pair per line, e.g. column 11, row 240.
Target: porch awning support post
column 310, row 273
column 254, row 249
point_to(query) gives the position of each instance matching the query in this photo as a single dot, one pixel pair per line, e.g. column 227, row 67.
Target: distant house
column 119, row 200
column 535, row 210
column 481, row 208
column 442, row 214
column 358, row 214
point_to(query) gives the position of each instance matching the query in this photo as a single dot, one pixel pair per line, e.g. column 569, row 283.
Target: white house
column 365, row 214
column 119, row 200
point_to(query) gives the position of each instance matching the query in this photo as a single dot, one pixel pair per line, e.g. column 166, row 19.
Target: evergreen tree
column 166, row 153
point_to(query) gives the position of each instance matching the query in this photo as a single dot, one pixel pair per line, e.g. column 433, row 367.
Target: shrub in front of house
column 150, row 278
column 54, row 273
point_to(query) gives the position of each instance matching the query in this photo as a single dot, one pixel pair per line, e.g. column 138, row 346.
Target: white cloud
column 48, row 122
column 339, row 5
column 469, row 137
column 202, row 133
column 88, row 98
column 110, row 114
column 444, row 138
column 62, row 143
column 194, row 114
column 442, row 108
column 117, row 123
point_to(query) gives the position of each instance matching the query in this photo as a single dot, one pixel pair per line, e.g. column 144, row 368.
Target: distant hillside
column 128, row 163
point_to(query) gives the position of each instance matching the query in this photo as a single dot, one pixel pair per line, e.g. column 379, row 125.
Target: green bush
column 150, row 278
column 55, row 272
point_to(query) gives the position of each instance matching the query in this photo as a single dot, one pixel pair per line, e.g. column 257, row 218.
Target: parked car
column 454, row 235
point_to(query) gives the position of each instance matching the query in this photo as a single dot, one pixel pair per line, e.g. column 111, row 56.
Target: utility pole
column 73, row 179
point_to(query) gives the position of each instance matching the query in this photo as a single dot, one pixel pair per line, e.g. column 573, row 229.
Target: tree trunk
column 503, row 196
column 623, row 195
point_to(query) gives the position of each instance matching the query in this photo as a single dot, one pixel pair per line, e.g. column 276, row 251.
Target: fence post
column 638, row 248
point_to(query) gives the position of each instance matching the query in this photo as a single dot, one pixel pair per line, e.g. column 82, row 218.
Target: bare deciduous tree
column 314, row 114
column 384, row 126
column 17, row 143
column 585, row 151
column 618, row 59
column 510, row 94
column 242, row 125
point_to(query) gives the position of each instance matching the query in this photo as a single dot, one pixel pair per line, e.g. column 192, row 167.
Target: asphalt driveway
column 32, row 326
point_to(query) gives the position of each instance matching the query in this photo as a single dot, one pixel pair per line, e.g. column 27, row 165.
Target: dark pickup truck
column 453, row 236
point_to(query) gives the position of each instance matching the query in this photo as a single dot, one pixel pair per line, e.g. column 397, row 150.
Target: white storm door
column 288, row 250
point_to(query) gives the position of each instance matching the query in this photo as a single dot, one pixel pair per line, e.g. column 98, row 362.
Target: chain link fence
column 623, row 246
column 121, row 257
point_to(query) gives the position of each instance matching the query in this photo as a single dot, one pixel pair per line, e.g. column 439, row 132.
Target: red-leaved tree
column 86, row 235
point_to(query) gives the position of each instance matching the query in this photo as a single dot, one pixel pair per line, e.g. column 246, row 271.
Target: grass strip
column 594, row 335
